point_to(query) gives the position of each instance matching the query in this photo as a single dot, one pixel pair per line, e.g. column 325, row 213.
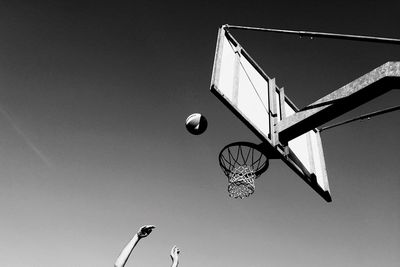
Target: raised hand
column 145, row 230
column 175, row 253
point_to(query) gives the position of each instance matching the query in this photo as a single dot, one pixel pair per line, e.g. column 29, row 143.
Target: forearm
column 175, row 263
column 175, row 256
column 126, row 252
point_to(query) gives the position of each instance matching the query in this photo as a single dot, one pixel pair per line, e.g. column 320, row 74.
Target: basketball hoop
column 242, row 163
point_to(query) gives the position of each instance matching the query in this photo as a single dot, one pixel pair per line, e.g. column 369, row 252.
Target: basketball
column 196, row 124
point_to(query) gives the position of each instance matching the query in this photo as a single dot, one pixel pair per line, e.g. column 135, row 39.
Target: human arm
column 175, row 256
column 126, row 252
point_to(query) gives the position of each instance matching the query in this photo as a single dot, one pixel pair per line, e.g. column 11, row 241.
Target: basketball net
column 241, row 182
column 242, row 163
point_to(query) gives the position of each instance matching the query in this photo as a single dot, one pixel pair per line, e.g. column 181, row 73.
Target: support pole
column 362, row 117
column 310, row 34
column 369, row 86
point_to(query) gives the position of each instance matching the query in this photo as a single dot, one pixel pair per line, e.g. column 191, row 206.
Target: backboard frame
column 276, row 112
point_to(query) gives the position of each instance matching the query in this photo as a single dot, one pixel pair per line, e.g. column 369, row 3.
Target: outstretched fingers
column 175, row 252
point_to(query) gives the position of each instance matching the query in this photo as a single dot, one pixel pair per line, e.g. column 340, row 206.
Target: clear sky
column 94, row 95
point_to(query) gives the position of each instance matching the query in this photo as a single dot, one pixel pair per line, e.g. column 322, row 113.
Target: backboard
column 254, row 98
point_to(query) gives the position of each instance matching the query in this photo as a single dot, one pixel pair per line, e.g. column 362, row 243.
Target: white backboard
column 241, row 85
column 306, row 156
column 245, row 89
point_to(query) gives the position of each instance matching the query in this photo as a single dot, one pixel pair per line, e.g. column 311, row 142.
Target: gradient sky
column 94, row 95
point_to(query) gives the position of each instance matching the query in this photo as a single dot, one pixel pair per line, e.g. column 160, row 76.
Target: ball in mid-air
column 196, row 124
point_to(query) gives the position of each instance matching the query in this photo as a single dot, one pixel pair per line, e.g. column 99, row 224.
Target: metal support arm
column 373, row 84
column 352, row 37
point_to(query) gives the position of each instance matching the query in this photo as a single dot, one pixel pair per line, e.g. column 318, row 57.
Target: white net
column 242, row 163
column 241, row 182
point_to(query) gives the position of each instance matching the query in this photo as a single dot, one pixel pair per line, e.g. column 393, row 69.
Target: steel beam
column 369, row 86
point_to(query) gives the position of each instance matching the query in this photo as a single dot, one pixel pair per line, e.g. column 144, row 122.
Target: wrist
column 138, row 236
